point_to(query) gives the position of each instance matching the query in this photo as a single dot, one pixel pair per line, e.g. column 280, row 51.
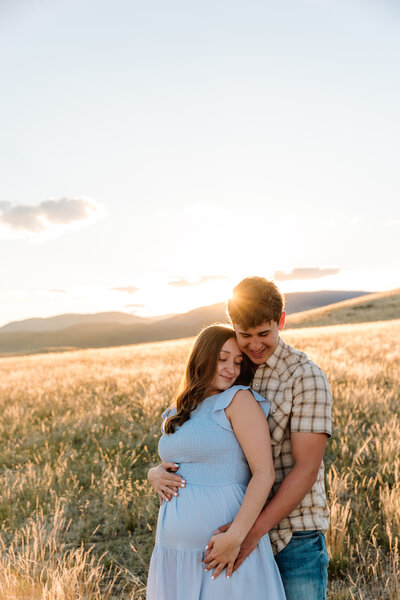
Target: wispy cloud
column 135, row 305
column 129, row 289
column 305, row 273
column 21, row 220
column 183, row 282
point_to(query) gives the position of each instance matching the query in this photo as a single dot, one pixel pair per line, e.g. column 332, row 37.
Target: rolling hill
column 70, row 320
column 118, row 329
column 381, row 306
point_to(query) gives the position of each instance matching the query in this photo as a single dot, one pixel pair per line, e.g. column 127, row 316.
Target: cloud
column 305, row 273
column 135, row 305
column 19, row 220
column 58, row 291
column 182, row 282
column 129, row 289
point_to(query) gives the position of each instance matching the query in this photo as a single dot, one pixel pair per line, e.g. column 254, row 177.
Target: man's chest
column 279, row 391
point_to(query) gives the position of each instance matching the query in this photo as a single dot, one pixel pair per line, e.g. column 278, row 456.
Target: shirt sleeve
column 312, row 402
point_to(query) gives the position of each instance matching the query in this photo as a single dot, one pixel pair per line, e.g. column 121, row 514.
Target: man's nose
column 255, row 345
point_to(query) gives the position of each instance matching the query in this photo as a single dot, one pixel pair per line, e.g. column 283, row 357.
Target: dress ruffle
column 224, row 400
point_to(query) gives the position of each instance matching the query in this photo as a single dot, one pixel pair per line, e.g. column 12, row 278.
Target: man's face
column 260, row 342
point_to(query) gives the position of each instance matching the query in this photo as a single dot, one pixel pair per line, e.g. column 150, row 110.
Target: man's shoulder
column 300, row 364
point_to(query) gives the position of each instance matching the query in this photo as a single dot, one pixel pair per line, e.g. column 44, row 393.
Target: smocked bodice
column 205, row 447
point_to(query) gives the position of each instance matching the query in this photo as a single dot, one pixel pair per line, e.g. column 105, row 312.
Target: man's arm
column 307, row 452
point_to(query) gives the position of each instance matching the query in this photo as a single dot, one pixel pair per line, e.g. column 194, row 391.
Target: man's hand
column 248, row 545
column 164, row 481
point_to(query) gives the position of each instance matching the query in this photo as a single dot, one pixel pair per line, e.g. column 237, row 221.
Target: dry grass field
column 79, row 430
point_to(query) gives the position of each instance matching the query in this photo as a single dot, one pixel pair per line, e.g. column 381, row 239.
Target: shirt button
column 256, row 385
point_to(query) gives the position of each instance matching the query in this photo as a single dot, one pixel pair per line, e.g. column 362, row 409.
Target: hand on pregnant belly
column 222, row 549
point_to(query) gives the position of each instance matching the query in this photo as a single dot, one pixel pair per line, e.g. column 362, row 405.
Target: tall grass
column 79, row 430
column 37, row 564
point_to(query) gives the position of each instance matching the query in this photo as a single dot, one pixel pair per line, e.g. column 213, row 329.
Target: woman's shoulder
column 225, row 398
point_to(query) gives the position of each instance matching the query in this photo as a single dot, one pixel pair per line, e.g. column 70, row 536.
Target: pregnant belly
column 187, row 521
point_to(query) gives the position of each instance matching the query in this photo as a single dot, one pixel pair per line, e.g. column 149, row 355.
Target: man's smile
column 257, row 354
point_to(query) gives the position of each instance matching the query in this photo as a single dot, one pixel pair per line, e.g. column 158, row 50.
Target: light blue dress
column 216, row 473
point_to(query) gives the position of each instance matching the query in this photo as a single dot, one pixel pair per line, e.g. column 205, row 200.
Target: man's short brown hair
column 254, row 301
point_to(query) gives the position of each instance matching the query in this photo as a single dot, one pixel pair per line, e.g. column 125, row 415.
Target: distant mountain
column 117, row 329
column 69, row 320
column 381, row 306
column 300, row 301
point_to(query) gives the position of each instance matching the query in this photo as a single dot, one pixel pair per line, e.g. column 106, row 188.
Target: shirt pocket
column 278, row 421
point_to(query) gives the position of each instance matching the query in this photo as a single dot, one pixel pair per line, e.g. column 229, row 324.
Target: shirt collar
column 279, row 353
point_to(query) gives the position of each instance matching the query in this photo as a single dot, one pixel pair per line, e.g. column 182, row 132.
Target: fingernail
column 175, row 493
column 176, row 465
column 183, row 481
column 227, row 576
column 212, row 577
column 182, row 485
column 207, row 547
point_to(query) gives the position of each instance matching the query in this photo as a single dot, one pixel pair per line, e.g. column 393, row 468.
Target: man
column 296, row 515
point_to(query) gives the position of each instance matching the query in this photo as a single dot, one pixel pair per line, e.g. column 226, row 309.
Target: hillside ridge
column 377, row 306
column 366, row 308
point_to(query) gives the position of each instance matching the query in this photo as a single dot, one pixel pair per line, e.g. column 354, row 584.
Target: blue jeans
column 303, row 565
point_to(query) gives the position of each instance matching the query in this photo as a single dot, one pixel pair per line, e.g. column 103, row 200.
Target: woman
column 219, row 436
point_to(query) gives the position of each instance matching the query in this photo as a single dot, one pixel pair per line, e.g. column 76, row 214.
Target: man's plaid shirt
column 300, row 402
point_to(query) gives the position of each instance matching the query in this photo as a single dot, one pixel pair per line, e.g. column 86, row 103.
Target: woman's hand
column 165, row 482
column 222, row 550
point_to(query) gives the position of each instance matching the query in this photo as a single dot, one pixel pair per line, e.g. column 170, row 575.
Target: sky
column 154, row 153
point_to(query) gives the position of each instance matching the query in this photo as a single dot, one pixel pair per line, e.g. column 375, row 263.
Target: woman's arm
column 251, row 429
column 165, row 482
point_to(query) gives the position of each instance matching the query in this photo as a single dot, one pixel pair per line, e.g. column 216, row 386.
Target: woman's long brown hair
column 200, row 370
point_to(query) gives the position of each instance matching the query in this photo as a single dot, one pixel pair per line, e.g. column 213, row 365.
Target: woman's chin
column 226, row 386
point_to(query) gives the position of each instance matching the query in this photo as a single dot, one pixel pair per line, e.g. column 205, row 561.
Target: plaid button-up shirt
column 300, row 402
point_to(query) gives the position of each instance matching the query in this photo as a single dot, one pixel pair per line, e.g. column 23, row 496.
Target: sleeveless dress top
column 216, row 473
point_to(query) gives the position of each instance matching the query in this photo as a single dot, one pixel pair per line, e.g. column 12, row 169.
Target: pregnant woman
column 219, row 436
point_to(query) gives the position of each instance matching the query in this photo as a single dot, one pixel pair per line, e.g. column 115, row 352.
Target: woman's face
column 228, row 366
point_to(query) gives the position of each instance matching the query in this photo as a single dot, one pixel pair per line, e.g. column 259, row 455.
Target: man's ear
column 281, row 323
